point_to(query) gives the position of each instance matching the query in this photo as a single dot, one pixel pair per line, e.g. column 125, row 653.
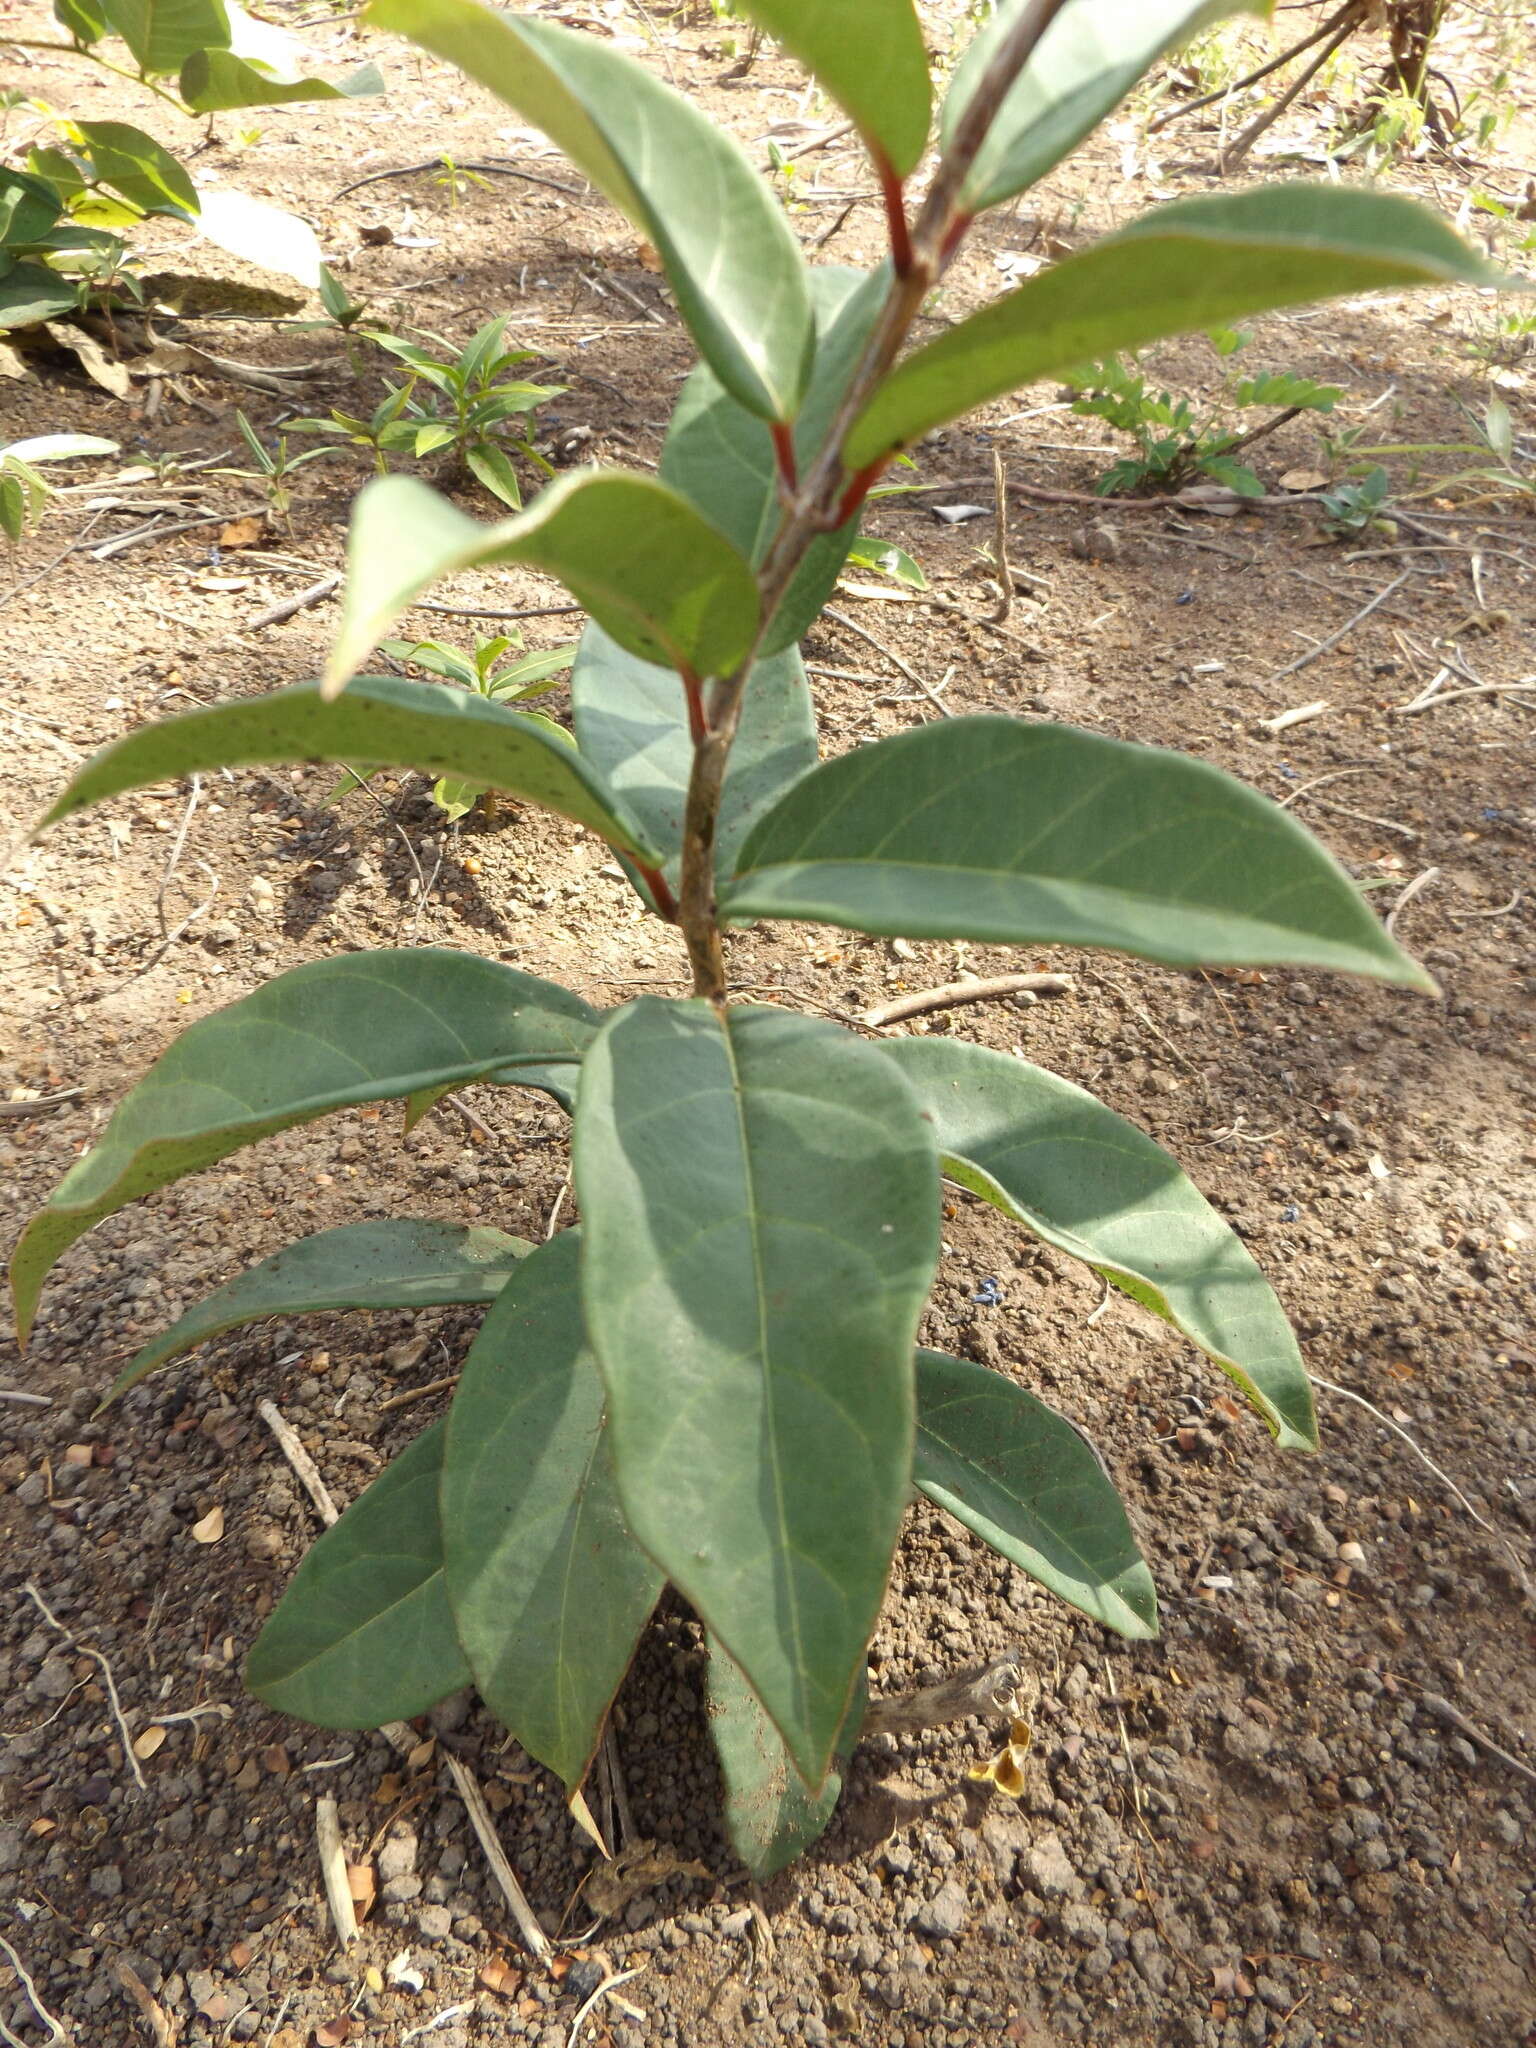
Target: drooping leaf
column 770, row 1814
column 730, row 256
column 632, row 725
column 721, row 456
column 360, row 1028
column 392, row 1263
column 1079, row 1176
column 759, row 1233
column 1023, row 1479
column 379, row 722
column 364, row 1634
column 214, row 80
column 1083, row 66
column 869, row 55
column 656, row 576
column 1194, row 263
column 987, row 828
column 135, row 165
column 548, row 1588
column 162, row 34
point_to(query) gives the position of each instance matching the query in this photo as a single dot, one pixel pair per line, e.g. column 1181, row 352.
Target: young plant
column 273, row 467
column 716, row 1379
column 1173, row 444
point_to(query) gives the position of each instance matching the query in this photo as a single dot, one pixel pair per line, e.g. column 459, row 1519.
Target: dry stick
column 1320, row 782
column 291, row 606
column 40, row 1105
column 465, row 611
column 177, row 844
column 956, row 993
column 333, row 1870
column 902, row 668
column 1325, row 803
column 1425, row 1459
column 25, row 1400
column 99, row 1656
column 414, row 1394
column 1437, row 1704
column 1327, row 646
column 1209, row 99
column 1414, row 888
column 48, row 568
column 534, row 1938
column 303, row 1464
column 1000, row 540
column 57, row 2036
column 141, row 535
column 438, row 163
column 1433, row 703
column 608, row 1984
column 153, row 2013
column 1503, row 910
column 1232, row 156
column 985, row 1693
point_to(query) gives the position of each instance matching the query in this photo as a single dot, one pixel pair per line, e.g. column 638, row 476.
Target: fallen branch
column 303, row 1464
column 535, row 1939
column 333, row 1870
column 1327, row 646
column 291, row 606
column 954, row 994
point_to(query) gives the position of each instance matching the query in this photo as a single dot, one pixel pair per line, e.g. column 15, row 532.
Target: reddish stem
column 958, row 229
column 784, row 453
column 656, row 882
column 858, row 490
column 693, row 690
column 893, row 191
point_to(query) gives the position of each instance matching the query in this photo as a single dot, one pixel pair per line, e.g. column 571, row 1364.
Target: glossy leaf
column 359, row 1028
column 656, row 576
column 1077, row 1175
column 392, row 1263
column 1026, row 1482
column 162, row 34
column 760, row 1229
column 988, row 828
column 721, row 456
column 1083, row 66
column 632, row 725
column 770, row 1815
column 730, row 256
column 1194, row 263
column 214, row 80
column 869, row 55
column 364, row 1634
column 135, row 165
column 380, row 721
column 548, row 1588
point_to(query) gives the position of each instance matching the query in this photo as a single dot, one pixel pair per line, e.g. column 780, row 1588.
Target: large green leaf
column 135, row 165
column 393, row 1263
column 86, row 20
column 380, row 721
column 988, row 828
column 548, row 1588
column 731, row 259
column 721, row 457
column 1022, row 1478
column 1069, row 1169
column 162, row 34
column 665, row 583
column 1191, row 264
column 770, row 1814
column 1083, row 66
column 631, row 724
column 213, row 80
column 29, row 206
column 869, row 55
column 359, row 1028
column 760, row 1230
column 30, row 292
column 364, row 1634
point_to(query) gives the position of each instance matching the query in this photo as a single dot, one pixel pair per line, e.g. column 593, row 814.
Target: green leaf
column 548, row 1588
column 1083, row 1179
column 364, row 1634
column 59, row 447
column 884, row 558
column 721, row 457
column 162, row 34
column 1083, row 66
column 84, row 20
column 214, row 80
column 29, row 206
column 380, row 721
column 359, row 1028
column 393, row 1263
column 30, row 293
column 492, row 467
column 770, row 1814
column 665, row 584
column 1022, row 1478
column 869, row 55
column 135, row 165
column 731, row 259
column 760, row 1230
column 1192, row 264
column 986, row 828
column 632, row 725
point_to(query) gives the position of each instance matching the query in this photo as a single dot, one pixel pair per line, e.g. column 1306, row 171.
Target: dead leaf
column 1303, row 480
column 217, row 2007
column 12, row 364
column 211, row 1528
column 364, row 1886
column 334, row 2033
column 649, row 257
column 609, row 1887
column 387, row 1791
column 241, row 1955
column 42, row 1826
column 421, row 1755
column 496, row 1974
column 244, row 532
column 101, row 368
column 275, row 1759
column 146, row 1745
column 222, row 582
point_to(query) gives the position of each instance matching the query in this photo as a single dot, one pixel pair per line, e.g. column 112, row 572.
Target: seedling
column 273, row 467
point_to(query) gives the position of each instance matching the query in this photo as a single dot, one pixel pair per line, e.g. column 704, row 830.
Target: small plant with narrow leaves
column 715, row 1380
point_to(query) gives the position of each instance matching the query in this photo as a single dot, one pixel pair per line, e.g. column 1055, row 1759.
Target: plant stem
column 826, row 498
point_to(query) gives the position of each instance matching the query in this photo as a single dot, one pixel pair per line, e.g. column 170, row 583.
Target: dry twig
column 956, row 993
column 99, row 1657
column 333, row 1870
column 984, row 1694
column 901, row 667
column 304, row 1466
column 159, row 2022
column 1327, row 646
column 275, row 614
column 57, row 2035
column 1414, row 888
column 534, row 1938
